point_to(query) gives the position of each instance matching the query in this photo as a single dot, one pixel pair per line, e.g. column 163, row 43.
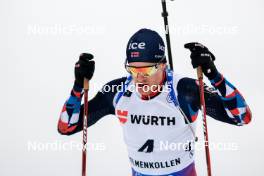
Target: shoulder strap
column 172, row 95
column 124, row 88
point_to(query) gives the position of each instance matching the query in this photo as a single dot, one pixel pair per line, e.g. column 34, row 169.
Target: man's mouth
column 140, row 85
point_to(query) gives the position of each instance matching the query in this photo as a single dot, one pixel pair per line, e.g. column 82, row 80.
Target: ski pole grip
column 199, row 73
column 86, row 84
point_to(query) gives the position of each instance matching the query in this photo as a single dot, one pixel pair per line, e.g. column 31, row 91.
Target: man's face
column 146, row 84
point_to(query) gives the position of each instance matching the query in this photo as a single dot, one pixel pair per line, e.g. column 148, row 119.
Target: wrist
column 78, row 86
column 217, row 79
column 210, row 71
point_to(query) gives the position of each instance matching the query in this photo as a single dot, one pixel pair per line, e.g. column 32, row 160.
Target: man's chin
column 142, row 92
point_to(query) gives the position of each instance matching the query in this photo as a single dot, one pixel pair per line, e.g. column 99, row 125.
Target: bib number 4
column 148, row 147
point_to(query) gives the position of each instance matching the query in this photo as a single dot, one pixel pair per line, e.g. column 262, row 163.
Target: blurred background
column 41, row 40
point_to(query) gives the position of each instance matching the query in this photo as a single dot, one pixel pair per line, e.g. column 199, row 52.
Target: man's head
column 146, row 59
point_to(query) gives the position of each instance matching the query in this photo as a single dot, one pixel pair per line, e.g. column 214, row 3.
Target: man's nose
column 141, row 77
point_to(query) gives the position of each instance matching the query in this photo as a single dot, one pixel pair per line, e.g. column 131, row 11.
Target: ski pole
column 85, row 116
column 203, row 109
column 201, row 87
column 165, row 15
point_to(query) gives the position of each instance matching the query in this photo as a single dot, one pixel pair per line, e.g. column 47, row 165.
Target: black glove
column 201, row 56
column 84, row 68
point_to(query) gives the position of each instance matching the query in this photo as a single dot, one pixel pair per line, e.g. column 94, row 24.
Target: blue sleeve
column 71, row 117
column 223, row 101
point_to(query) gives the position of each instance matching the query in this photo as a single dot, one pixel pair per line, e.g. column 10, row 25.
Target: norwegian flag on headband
column 135, row 54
